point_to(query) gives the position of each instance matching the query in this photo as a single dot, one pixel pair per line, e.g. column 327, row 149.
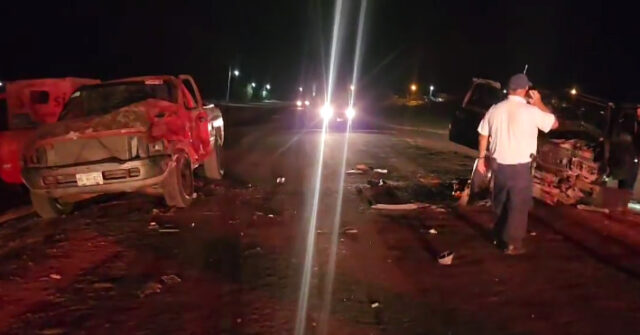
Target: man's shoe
column 513, row 250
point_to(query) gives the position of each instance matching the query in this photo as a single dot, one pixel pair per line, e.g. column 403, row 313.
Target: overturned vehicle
column 573, row 162
column 144, row 134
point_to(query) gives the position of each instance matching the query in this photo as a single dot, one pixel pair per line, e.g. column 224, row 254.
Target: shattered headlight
column 156, row 147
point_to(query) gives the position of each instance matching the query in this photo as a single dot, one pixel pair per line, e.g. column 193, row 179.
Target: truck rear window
column 103, row 99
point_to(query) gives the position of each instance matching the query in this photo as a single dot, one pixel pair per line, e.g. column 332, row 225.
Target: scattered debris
column 446, row 258
column 254, row 251
column 593, row 209
column 362, row 167
column 354, row 172
column 432, row 231
column 381, row 171
column 169, row 230
column 399, row 207
column 374, row 183
column 171, row 279
column 281, row 180
column 153, row 225
column 103, row 285
column 430, row 180
column 349, row 230
column 16, row 213
column 150, row 288
column 375, row 304
column 271, row 216
column 55, row 276
column 52, row 331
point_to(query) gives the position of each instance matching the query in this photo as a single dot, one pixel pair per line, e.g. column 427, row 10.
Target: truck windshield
column 103, row 99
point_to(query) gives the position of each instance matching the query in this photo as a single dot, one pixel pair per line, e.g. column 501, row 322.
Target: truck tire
column 178, row 187
column 213, row 164
column 49, row 208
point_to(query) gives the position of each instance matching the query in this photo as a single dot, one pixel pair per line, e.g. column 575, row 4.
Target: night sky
column 593, row 45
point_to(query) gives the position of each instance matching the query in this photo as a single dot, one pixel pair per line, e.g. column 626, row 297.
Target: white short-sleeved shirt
column 513, row 129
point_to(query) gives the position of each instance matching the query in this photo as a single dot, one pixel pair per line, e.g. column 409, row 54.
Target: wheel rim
column 186, row 179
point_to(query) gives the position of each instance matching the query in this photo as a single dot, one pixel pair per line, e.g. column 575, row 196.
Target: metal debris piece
column 281, row 180
column 593, row 209
column 446, row 258
column 381, row 171
column 150, row 288
column 375, row 304
column 55, row 276
column 171, row 279
column 349, row 230
column 432, row 231
column 399, row 207
column 169, row 230
column 104, row 285
column 152, row 225
column 354, row 172
column 362, row 167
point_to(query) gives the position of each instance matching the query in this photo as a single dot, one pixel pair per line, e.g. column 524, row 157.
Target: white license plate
column 88, row 179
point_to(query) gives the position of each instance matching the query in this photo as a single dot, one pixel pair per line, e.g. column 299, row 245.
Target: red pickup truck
column 24, row 105
column 144, row 134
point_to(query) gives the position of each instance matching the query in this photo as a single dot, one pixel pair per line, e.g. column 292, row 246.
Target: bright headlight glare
column 326, row 111
column 307, row 103
column 299, row 103
column 350, row 112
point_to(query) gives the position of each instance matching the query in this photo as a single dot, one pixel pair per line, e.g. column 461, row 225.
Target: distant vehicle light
column 307, row 103
column 574, row 91
column 299, row 103
column 350, row 112
column 326, row 111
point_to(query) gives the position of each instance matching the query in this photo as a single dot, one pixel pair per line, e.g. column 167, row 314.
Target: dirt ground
column 232, row 263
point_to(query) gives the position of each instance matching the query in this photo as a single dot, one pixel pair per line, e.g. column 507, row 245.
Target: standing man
column 510, row 129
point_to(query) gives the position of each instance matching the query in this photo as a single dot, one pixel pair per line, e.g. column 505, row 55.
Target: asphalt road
column 233, row 262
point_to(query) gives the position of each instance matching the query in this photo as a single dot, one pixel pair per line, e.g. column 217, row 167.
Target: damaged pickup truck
column 144, row 134
column 573, row 162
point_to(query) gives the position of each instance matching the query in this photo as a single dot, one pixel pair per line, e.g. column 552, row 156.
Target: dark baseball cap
column 519, row 82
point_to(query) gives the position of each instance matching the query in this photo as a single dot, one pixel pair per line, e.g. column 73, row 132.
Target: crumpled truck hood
column 134, row 116
column 98, row 138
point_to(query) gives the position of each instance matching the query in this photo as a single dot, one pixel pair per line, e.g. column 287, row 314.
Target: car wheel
column 213, row 164
column 49, row 208
column 178, row 187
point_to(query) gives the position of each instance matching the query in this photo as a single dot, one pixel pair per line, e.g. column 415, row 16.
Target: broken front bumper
column 117, row 177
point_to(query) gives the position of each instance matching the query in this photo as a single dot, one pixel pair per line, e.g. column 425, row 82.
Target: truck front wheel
column 178, row 186
column 49, row 208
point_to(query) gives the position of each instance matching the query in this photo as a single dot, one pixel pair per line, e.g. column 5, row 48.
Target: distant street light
column 253, row 84
column 300, row 88
column 431, row 88
column 236, row 73
column 574, row 91
column 268, row 86
column 414, row 87
column 1, row 84
column 352, row 87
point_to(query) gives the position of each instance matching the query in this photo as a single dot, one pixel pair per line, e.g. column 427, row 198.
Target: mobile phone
column 531, row 88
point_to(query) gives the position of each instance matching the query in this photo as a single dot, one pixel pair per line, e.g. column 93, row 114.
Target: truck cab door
column 464, row 124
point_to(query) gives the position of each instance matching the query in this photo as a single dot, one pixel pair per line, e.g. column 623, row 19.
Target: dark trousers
column 512, row 200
